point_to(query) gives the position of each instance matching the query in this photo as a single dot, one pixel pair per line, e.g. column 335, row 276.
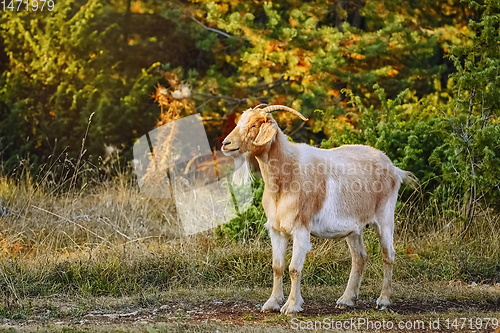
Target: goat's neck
column 273, row 163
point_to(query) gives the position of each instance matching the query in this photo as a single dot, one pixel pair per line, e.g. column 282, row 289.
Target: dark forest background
column 416, row 79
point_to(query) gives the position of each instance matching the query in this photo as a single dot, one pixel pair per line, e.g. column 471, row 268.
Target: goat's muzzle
column 226, row 150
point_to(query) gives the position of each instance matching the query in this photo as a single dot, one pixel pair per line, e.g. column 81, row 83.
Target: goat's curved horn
column 272, row 108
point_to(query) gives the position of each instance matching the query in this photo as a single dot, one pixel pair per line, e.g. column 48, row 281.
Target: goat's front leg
column 301, row 245
column 279, row 243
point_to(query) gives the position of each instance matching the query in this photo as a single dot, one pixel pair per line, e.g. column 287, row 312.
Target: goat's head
column 252, row 136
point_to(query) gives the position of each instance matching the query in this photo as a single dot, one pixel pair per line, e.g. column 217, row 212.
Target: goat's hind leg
column 279, row 243
column 359, row 258
column 386, row 234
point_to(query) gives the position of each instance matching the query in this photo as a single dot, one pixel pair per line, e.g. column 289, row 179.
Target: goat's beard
column 242, row 173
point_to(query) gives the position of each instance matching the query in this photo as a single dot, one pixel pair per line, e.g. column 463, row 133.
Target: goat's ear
column 265, row 135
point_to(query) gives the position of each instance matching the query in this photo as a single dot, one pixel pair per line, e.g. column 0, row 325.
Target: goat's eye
column 255, row 125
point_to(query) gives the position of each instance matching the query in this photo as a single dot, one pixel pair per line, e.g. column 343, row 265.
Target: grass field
column 86, row 255
column 237, row 310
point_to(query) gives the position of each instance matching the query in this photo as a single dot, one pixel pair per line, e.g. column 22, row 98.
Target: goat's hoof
column 291, row 307
column 272, row 304
column 382, row 305
column 344, row 304
column 268, row 309
column 383, row 308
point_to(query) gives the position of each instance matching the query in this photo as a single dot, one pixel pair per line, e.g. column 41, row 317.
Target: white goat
column 326, row 193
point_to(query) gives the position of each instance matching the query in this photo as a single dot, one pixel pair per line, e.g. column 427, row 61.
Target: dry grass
column 104, row 239
column 101, row 215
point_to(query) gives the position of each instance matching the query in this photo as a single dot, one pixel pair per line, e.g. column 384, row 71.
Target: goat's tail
column 408, row 178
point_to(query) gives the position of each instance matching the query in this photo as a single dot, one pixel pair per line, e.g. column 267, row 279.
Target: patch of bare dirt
column 241, row 311
column 248, row 313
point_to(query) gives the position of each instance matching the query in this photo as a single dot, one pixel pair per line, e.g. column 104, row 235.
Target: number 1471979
column 26, row 5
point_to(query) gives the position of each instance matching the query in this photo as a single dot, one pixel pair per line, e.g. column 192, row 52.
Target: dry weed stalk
column 172, row 108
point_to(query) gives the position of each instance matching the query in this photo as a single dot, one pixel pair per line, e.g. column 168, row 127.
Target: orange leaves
column 393, row 72
column 308, row 79
column 270, row 47
column 136, row 8
column 280, row 100
column 352, row 41
column 274, row 46
column 448, row 10
column 304, row 64
column 353, row 55
column 172, row 79
column 343, row 122
column 338, row 124
column 342, row 118
column 253, row 36
column 334, row 92
column 356, row 56
column 223, row 8
column 349, row 47
column 173, row 101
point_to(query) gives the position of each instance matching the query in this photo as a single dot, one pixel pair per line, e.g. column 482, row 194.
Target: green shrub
column 250, row 223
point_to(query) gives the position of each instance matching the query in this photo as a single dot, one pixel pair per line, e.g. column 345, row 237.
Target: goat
column 325, row 193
